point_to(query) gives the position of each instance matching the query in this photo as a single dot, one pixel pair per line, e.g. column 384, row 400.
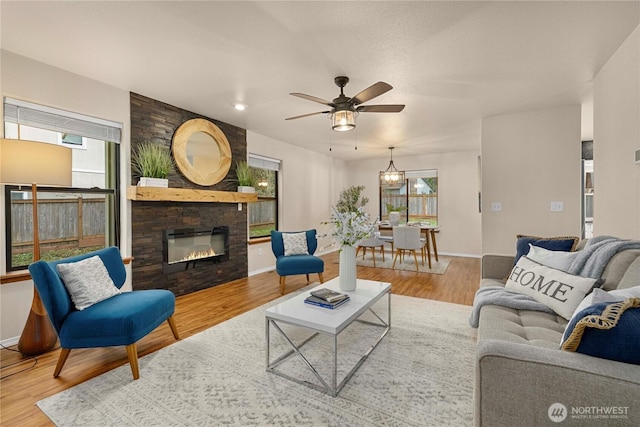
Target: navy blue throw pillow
column 607, row 330
column 565, row 244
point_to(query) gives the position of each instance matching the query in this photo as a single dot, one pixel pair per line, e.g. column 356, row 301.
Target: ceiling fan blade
column 313, row 98
column 371, row 92
column 390, row 108
column 307, row 115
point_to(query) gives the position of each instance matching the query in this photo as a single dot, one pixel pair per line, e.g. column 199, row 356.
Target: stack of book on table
column 326, row 298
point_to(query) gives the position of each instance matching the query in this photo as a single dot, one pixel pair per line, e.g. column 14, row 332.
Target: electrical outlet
column 239, row 207
column 496, row 206
column 260, row 252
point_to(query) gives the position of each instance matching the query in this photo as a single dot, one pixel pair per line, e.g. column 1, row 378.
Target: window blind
column 40, row 116
column 264, row 162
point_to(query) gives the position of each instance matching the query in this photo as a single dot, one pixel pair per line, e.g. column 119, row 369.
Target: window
column 263, row 214
column 416, row 198
column 71, row 220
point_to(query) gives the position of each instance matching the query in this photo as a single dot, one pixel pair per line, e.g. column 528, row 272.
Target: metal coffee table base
column 331, row 387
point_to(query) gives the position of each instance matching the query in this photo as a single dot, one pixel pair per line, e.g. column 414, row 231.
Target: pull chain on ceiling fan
column 344, row 110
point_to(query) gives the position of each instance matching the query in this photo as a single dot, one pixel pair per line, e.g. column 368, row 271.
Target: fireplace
column 187, row 247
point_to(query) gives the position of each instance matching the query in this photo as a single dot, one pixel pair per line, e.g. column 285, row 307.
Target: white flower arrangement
column 351, row 223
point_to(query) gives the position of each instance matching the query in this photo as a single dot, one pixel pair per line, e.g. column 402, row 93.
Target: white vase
column 348, row 268
column 246, row 189
column 153, row 182
column 394, row 218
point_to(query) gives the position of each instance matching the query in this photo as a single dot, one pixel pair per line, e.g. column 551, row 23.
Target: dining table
column 429, row 236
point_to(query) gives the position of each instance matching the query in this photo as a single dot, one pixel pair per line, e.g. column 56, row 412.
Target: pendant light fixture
column 391, row 176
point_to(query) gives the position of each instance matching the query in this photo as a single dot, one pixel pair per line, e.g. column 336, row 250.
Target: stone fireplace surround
column 155, row 121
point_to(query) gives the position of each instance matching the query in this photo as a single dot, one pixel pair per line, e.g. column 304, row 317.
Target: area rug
column 420, row 374
column 407, row 264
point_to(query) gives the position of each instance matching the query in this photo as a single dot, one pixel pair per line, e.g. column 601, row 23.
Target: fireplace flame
column 194, row 255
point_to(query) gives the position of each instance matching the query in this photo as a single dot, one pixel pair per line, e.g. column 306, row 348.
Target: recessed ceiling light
column 240, row 107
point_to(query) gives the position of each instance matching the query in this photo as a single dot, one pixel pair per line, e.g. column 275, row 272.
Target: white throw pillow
column 560, row 291
column 559, row 260
column 599, row 296
column 295, row 243
column 87, row 281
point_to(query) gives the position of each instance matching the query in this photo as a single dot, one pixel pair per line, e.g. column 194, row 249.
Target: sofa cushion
column 607, row 330
column 560, row 291
column 536, row 328
column 560, row 260
column 617, row 268
column 564, row 243
column 599, row 296
column 87, row 281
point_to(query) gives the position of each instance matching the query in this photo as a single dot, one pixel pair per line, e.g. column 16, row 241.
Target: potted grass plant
column 152, row 163
column 246, row 177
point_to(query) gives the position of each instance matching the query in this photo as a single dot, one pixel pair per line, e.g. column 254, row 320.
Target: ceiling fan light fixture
column 392, row 176
column 343, row 120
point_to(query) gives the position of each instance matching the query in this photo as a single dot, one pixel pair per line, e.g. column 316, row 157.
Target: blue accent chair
column 296, row 264
column 120, row 320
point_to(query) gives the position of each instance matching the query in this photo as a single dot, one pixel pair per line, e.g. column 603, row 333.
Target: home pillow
column 599, row 296
column 560, row 291
column 295, row 243
column 560, row 260
column 567, row 244
column 607, row 330
column 87, row 281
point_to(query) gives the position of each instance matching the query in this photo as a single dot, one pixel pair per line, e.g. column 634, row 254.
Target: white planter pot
column 153, row 182
column 348, row 268
column 394, row 218
column 245, row 189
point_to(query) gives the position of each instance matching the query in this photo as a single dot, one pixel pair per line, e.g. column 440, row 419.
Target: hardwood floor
column 27, row 380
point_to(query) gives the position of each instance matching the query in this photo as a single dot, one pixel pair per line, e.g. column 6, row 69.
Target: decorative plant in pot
column 152, row 163
column 246, row 177
column 351, row 224
column 394, row 213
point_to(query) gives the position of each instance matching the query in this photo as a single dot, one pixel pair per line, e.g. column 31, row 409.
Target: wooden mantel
column 157, row 194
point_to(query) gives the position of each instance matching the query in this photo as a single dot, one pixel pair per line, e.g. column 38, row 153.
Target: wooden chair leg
column 321, row 277
column 395, row 258
column 132, row 353
column 282, row 285
column 382, row 250
column 373, row 253
column 174, row 329
column 307, row 277
column 415, row 258
column 64, row 353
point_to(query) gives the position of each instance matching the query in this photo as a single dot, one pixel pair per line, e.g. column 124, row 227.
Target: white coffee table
column 329, row 322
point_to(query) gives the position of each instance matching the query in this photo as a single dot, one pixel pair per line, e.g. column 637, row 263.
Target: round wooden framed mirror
column 201, row 151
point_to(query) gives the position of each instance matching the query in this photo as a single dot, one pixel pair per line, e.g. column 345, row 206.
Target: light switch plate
column 557, row 207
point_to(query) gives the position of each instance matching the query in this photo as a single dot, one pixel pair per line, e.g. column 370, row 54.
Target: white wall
column 529, row 160
column 25, row 79
column 616, row 137
column 310, row 183
column 458, row 212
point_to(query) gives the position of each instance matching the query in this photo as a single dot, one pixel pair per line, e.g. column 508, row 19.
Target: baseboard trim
column 10, row 341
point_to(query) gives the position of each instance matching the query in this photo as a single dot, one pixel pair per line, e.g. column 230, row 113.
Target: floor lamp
column 35, row 163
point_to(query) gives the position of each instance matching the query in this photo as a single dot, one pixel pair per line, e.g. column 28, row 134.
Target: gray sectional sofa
column 522, row 375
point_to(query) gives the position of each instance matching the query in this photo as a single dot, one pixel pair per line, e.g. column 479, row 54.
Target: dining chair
column 372, row 242
column 405, row 239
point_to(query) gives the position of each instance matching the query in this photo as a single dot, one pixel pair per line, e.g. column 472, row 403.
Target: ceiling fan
column 344, row 110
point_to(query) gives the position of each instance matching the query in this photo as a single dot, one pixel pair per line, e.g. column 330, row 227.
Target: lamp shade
column 27, row 162
column 343, row 120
